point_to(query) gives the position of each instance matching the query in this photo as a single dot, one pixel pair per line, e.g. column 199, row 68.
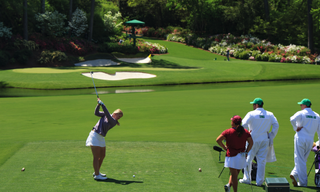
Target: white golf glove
column 100, row 102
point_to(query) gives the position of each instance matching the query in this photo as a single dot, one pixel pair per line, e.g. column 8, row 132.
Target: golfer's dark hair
column 239, row 130
column 260, row 105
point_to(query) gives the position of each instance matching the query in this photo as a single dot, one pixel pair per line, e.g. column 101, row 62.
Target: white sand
column 136, row 60
column 119, row 75
column 97, row 63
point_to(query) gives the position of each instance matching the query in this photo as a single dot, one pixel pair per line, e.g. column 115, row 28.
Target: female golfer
column 96, row 137
column 236, row 138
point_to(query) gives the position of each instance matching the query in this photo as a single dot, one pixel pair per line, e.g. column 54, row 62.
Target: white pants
column 302, row 148
column 259, row 150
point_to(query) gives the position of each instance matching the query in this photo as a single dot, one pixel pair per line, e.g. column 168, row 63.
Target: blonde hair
column 118, row 111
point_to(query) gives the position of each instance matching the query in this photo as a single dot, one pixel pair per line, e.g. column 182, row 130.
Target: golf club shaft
column 94, row 85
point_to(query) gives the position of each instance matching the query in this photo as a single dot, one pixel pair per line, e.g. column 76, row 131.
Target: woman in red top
column 236, row 138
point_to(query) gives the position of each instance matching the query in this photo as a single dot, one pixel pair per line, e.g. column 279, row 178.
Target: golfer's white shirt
column 309, row 120
column 259, row 123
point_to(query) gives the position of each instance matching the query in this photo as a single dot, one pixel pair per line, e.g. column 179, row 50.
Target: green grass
column 168, row 131
column 65, row 166
column 183, row 65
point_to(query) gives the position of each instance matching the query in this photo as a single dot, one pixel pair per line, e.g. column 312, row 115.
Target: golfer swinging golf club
column 96, row 137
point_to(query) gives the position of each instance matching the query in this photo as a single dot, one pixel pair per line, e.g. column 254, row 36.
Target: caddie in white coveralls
column 306, row 123
column 259, row 122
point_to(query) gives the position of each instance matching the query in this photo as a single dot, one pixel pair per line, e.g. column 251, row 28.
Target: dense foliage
column 65, row 25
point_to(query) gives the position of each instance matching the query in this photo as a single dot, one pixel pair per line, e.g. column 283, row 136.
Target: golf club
column 219, row 149
column 91, row 72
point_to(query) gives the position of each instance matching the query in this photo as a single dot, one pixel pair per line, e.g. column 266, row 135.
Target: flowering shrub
column 75, row 46
column 78, row 22
column 5, row 31
column 317, row 60
column 172, row 37
column 112, row 23
column 52, row 22
column 48, row 56
column 21, row 43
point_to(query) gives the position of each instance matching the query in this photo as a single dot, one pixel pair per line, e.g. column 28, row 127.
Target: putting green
column 46, row 70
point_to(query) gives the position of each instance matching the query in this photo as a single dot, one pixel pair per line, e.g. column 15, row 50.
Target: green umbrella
column 134, row 23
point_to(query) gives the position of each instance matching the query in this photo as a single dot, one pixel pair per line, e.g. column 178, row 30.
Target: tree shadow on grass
column 167, row 64
column 3, row 84
column 122, row 182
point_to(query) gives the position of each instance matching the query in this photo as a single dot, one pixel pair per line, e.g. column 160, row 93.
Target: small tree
column 52, row 22
column 113, row 23
column 78, row 22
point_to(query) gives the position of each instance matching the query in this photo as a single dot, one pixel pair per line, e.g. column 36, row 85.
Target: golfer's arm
column 97, row 112
column 219, row 141
column 106, row 112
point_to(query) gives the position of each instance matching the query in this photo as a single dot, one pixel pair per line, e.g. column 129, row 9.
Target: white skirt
column 94, row 139
column 236, row 162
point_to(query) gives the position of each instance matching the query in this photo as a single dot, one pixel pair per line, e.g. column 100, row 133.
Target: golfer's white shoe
column 227, row 188
column 99, row 177
column 102, row 174
column 294, row 180
column 245, row 182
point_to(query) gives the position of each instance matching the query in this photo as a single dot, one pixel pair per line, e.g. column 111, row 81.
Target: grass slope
column 183, row 65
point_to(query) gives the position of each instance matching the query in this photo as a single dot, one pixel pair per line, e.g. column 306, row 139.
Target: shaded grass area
column 67, row 166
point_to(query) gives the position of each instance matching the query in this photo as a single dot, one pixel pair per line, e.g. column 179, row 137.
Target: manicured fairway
column 158, row 129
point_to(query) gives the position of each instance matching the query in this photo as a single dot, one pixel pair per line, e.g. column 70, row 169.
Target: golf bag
column 254, row 167
column 317, row 169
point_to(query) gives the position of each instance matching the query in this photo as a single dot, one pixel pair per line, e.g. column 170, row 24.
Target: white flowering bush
column 317, row 60
column 172, row 37
column 78, row 23
column 112, row 23
column 52, row 22
column 306, row 59
column 161, row 48
column 5, row 31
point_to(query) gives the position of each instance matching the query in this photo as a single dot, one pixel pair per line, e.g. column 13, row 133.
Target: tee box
column 277, row 184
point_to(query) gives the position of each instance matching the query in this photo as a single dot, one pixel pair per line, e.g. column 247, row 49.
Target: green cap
column 257, row 101
column 306, row 102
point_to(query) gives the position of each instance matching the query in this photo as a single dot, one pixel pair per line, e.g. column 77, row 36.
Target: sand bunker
column 136, row 60
column 97, row 63
column 119, row 75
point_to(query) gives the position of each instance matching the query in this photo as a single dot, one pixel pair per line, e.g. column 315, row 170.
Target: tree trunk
column 266, row 10
column 91, row 20
column 70, row 10
column 43, row 6
column 43, row 10
column 310, row 28
column 25, row 20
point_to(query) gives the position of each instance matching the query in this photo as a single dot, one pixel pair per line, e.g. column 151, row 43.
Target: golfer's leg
column 102, row 156
column 234, row 175
column 261, row 158
column 96, row 156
